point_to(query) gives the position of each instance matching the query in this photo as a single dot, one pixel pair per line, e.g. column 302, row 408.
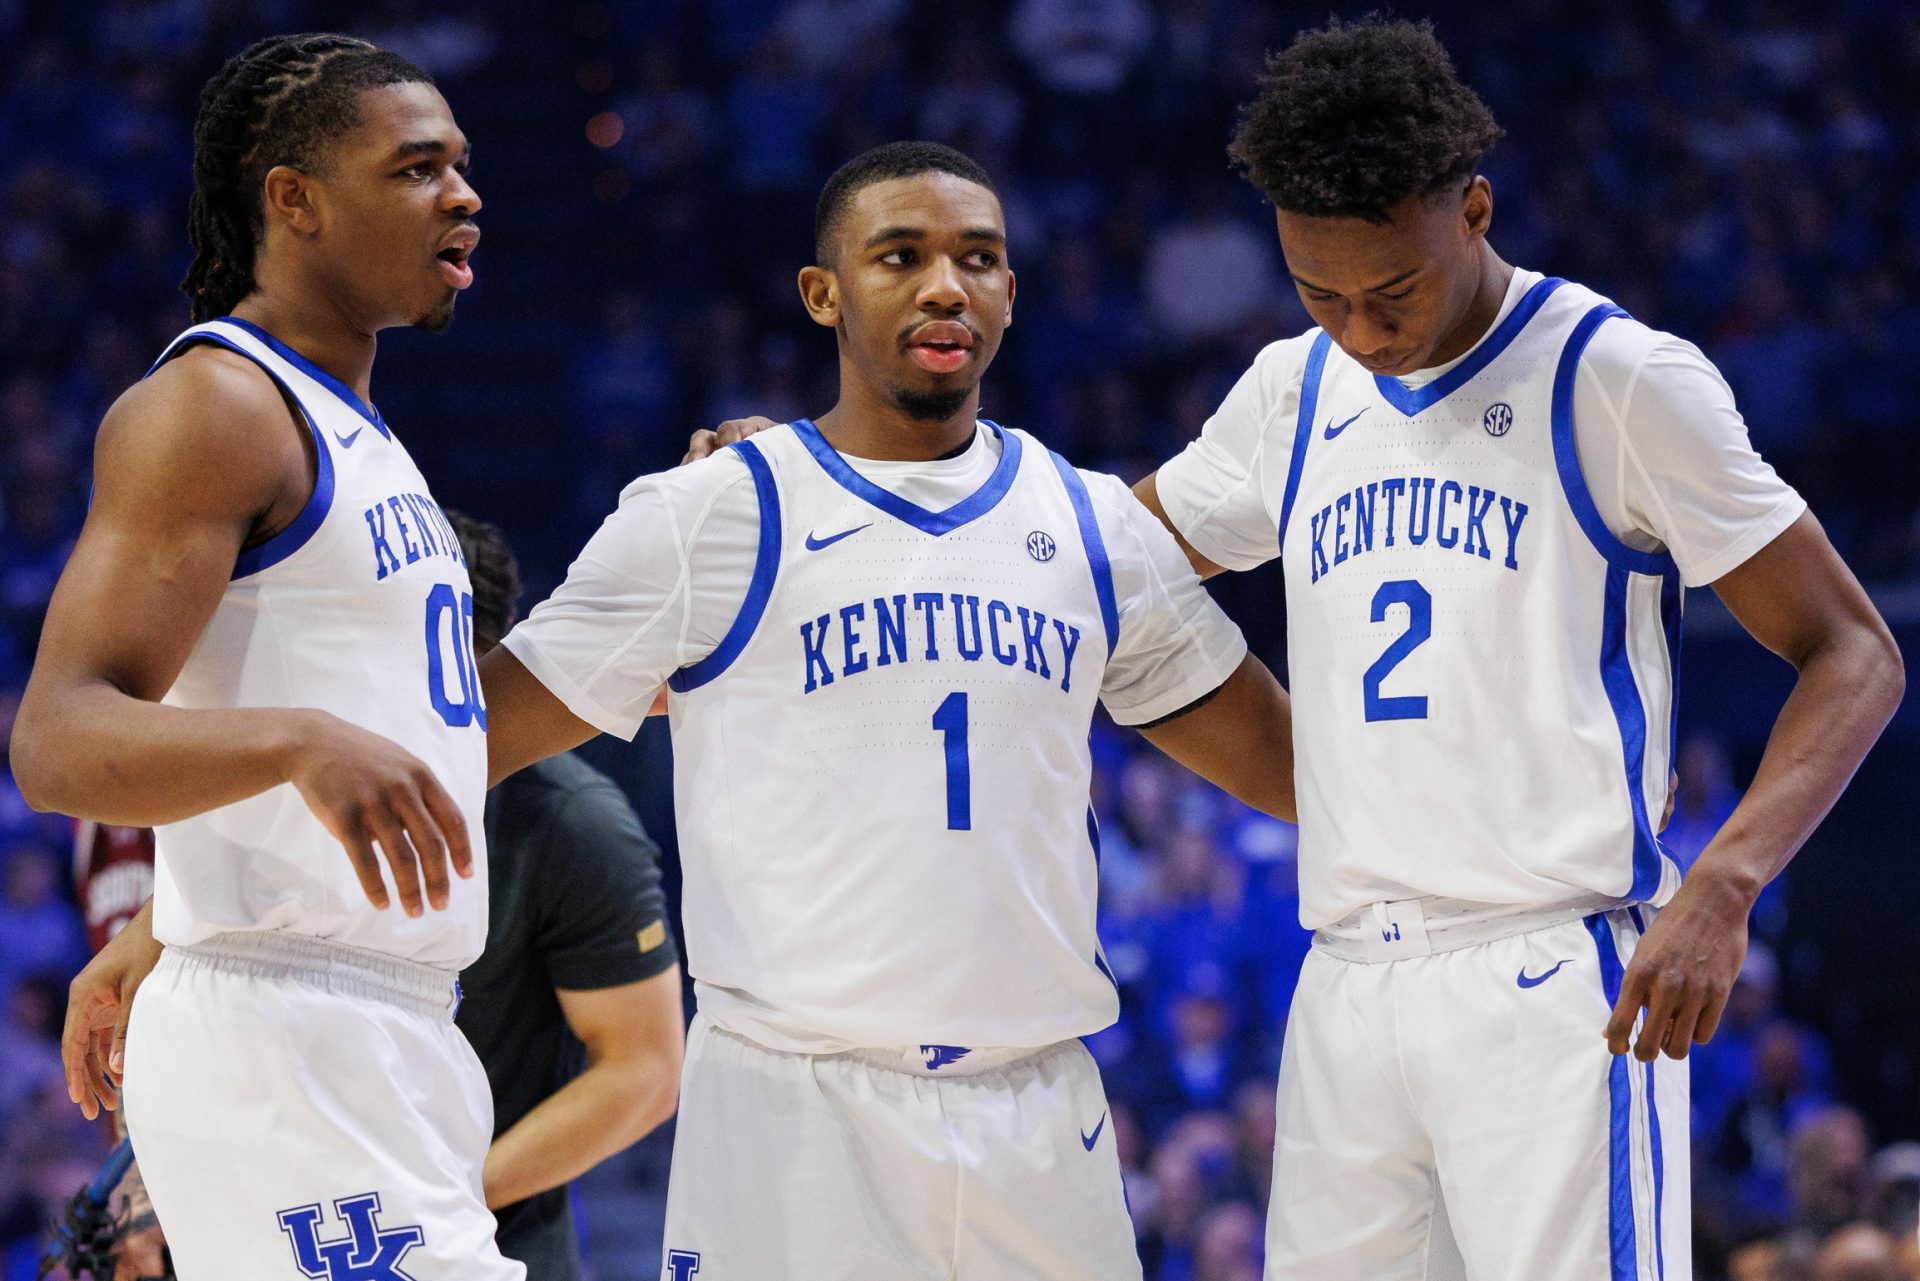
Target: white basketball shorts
column 931, row 1162
column 1458, row 1109
column 303, row 1109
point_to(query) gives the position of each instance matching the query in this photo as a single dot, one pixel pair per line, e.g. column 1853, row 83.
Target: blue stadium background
column 1746, row 174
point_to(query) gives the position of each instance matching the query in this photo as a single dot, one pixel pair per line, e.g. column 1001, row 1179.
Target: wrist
column 1724, row 879
column 291, row 734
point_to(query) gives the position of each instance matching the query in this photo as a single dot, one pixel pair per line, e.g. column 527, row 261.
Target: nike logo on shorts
column 1088, row 1140
column 815, row 544
column 1525, row 981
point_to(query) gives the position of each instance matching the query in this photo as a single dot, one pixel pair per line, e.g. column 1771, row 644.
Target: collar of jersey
column 1413, row 401
column 341, row 391
column 972, row 507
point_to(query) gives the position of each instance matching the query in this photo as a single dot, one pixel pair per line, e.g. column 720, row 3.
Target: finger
column 400, row 861
column 73, row 1041
column 1709, row 1018
column 452, row 824
column 1679, row 1039
column 700, row 444
column 1626, row 1007
column 1661, row 1001
column 117, row 1057
column 100, row 1091
column 366, row 866
column 424, row 833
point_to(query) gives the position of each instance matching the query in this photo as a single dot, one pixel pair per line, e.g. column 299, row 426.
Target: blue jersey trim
column 1566, row 454
column 1093, row 839
column 303, row 527
column 343, row 393
column 1659, row 1177
column 970, row 508
column 1672, row 602
column 1623, row 1248
column 1623, row 694
column 1303, row 427
column 766, row 565
column 1095, row 545
column 1421, row 398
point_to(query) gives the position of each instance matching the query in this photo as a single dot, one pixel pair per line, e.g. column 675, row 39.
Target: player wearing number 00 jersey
column 1487, row 489
column 885, row 635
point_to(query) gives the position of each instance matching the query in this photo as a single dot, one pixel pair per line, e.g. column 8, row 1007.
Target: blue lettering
column 1033, row 630
column 1479, row 503
column 1318, row 560
column 1363, row 518
column 384, row 561
column 850, row 638
column 1069, row 642
column 1442, row 535
column 928, row 604
column 816, row 655
column 1392, row 489
column 1340, row 507
column 893, row 629
column 1419, row 510
column 996, row 610
column 1513, row 513
column 419, row 506
column 960, row 627
column 400, row 525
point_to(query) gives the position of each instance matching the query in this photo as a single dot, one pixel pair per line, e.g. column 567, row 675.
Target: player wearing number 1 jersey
column 1487, row 489
column 262, row 648
column 885, row 633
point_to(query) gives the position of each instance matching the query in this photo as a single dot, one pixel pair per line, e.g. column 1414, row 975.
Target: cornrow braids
column 277, row 103
column 495, row 575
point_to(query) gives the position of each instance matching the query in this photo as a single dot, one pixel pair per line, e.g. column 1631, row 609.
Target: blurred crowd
column 1745, row 173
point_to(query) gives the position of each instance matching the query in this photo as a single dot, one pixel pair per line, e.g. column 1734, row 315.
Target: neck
column 866, row 423
column 1489, row 291
column 312, row 323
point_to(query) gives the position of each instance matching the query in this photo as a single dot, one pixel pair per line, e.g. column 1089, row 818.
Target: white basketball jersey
column 1483, row 674
column 882, row 771
column 362, row 608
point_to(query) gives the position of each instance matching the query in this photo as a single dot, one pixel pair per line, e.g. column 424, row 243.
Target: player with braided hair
column 262, row 648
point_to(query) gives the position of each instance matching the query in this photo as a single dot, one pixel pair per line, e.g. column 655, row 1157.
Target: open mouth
column 454, row 268
column 940, row 347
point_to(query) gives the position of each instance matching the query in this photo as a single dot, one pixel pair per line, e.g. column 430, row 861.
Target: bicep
column 526, row 721
column 1795, row 593
column 1147, row 490
column 631, row 1021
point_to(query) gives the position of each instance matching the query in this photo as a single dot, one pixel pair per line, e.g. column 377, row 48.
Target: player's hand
column 368, row 790
column 1682, row 970
column 705, row 441
column 94, row 1040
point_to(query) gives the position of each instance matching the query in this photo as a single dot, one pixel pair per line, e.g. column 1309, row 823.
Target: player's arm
column 1239, row 738
column 1799, row 599
column 526, row 721
column 635, row 1038
column 187, row 465
column 1147, row 490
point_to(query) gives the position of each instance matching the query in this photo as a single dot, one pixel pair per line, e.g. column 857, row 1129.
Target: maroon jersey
column 112, row 874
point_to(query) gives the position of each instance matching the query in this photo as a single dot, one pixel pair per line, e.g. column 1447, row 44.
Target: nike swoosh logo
column 346, row 442
column 815, row 544
column 1333, row 431
column 1524, row 981
column 1088, row 1140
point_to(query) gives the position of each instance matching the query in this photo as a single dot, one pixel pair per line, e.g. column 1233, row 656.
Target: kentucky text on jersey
column 1407, row 511
column 953, row 625
column 409, row 525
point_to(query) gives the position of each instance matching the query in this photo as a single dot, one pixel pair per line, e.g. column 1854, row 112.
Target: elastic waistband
column 914, row 1060
column 332, row 967
column 1425, row 927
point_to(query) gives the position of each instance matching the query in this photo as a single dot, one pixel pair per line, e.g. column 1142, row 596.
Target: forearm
column 1843, row 698
column 1240, row 740
column 605, row 1109
column 92, row 751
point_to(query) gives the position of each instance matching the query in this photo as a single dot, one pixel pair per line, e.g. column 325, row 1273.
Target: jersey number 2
column 950, row 718
column 450, row 629
column 1404, row 707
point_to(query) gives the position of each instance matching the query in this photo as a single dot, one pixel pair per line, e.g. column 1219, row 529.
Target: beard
column 932, row 406
column 439, row 320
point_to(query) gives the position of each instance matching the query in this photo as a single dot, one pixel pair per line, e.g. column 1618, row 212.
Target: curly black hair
column 889, row 160
column 275, row 103
column 1355, row 117
column 495, row 575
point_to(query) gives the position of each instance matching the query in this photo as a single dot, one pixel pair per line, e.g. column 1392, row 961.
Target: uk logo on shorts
column 368, row 1252
column 681, row 1265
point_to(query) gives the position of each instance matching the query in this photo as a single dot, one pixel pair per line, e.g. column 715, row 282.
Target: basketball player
column 1488, row 489
column 884, row 633
column 261, row 647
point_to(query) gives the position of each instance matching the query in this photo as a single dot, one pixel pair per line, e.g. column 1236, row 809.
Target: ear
column 820, row 291
column 286, row 198
column 1477, row 209
column 1007, row 319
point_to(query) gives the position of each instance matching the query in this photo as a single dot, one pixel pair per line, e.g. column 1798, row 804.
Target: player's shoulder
column 1624, row 346
column 1281, row 366
column 204, row 392
column 721, row 480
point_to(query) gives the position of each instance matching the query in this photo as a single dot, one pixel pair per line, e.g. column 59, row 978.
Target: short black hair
column 889, row 160
column 1353, row 118
column 495, row 575
column 278, row 102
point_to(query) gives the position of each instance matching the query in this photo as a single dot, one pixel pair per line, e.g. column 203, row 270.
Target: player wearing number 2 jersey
column 885, row 634
column 262, row 648
column 1487, row 489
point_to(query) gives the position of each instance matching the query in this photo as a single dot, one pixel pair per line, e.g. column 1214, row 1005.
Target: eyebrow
column 882, row 236
column 1373, row 289
column 423, row 146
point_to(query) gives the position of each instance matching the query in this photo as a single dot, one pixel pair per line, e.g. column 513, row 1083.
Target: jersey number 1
column 950, row 718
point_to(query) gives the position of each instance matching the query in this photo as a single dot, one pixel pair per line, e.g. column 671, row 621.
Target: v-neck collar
column 970, row 508
column 345, row 394
column 1411, row 401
